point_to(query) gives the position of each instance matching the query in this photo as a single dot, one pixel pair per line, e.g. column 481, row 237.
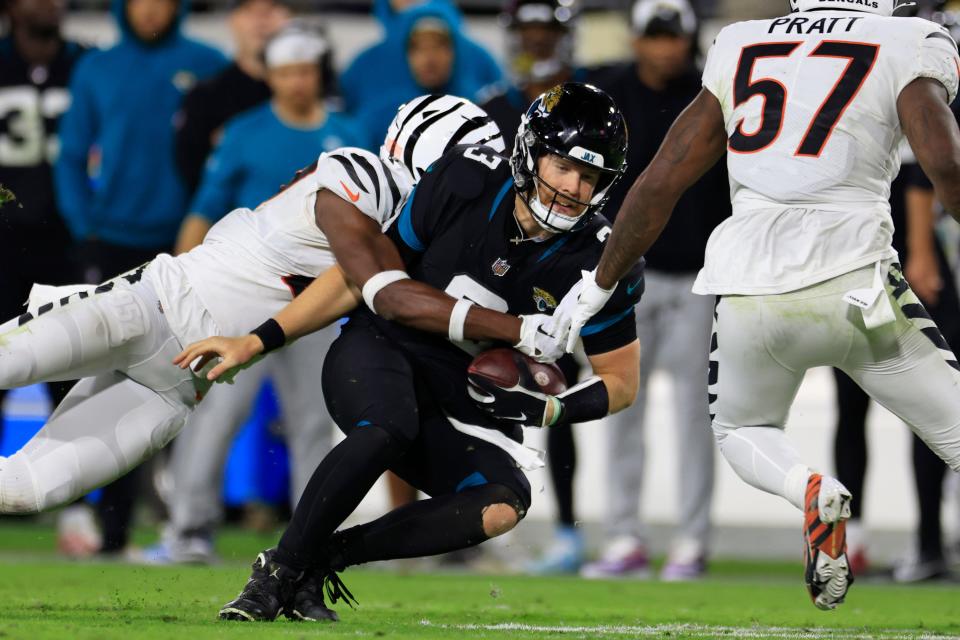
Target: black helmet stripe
column 394, row 190
column 348, row 167
column 366, row 166
column 411, row 142
column 469, row 125
column 420, row 107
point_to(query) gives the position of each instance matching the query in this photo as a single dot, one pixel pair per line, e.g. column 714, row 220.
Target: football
column 508, row 367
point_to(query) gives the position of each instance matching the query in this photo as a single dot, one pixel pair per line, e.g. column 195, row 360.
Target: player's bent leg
column 908, row 367
column 106, row 426
column 750, row 396
column 83, row 338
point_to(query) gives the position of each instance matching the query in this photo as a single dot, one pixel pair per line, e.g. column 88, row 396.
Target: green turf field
column 43, row 597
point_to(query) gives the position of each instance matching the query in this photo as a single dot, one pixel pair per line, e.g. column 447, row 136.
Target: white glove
column 536, row 342
column 580, row 304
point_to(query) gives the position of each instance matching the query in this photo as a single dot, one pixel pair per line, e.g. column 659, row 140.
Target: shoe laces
column 336, row 590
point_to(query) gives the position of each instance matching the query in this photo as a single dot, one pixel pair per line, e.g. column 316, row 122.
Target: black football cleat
column 270, row 587
column 307, row 603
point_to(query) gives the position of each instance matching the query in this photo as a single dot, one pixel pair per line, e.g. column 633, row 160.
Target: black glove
column 515, row 404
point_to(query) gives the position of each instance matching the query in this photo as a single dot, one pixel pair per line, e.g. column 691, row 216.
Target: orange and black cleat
column 827, row 570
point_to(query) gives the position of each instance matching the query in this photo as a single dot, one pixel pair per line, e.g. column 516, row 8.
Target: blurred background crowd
column 129, row 127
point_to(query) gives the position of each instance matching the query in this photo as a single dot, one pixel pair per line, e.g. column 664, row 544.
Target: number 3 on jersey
column 860, row 60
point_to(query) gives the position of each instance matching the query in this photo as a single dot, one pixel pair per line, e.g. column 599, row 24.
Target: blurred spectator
column 261, row 149
column 673, row 324
column 235, row 89
column 386, row 11
column 35, row 246
column 128, row 209
column 424, row 51
column 540, row 43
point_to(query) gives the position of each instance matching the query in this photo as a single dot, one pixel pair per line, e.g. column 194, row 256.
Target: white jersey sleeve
column 713, row 77
column 360, row 178
column 937, row 58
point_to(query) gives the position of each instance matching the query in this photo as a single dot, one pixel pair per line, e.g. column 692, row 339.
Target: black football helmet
column 579, row 122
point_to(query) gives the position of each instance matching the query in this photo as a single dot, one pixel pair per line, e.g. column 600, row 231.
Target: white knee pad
column 18, row 494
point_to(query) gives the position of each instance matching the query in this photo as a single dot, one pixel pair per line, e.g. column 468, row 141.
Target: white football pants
column 763, row 345
column 130, row 402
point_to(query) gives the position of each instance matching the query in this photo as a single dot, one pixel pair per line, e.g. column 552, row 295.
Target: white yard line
column 699, row 631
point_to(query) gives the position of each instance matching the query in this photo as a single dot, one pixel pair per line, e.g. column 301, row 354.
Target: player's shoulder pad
column 468, row 170
column 937, row 55
column 360, row 178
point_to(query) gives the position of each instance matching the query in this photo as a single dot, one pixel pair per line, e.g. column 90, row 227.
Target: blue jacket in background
column 379, row 79
column 258, row 154
column 124, row 101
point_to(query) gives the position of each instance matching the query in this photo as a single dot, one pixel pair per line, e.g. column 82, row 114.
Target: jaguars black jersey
column 32, row 99
column 457, row 232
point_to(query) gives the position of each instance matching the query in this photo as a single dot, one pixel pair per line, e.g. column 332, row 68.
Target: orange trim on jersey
column 836, row 84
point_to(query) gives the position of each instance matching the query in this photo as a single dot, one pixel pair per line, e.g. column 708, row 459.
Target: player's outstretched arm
column 328, row 298
column 932, row 132
column 364, row 252
column 695, row 142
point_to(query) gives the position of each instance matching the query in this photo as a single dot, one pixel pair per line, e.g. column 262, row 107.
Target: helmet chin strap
column 542, row 213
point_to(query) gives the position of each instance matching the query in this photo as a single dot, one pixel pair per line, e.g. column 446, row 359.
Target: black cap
column 663, row 17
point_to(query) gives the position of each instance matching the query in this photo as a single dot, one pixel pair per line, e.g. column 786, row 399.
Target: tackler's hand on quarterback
column 581, row 303
column 536, row 340
column 236, row 354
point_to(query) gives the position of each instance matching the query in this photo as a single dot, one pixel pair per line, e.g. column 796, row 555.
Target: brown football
column 508, row 367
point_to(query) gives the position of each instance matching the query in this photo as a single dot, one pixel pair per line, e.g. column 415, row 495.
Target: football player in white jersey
column 810, row 109
column 121, row 337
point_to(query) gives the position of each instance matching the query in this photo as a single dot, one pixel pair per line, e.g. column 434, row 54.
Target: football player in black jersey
column 482, row 240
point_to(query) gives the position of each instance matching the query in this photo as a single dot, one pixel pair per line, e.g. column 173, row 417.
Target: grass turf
column 43, row 597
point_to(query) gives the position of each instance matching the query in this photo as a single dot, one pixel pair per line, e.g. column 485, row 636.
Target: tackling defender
column 811, row 108
column 121, row 336
column 507, row 235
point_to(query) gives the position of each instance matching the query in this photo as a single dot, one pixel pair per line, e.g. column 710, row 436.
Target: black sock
column 338, row 485
column 562, row 463
column 850, row 440
column 928, row 472
column 425, row 528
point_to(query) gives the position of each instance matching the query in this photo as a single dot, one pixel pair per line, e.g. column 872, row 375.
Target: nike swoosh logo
column 520, row 418
column 630, row 288
column 353, row 196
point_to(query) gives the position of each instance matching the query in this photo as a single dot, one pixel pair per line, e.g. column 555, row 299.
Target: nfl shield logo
column 500, row 267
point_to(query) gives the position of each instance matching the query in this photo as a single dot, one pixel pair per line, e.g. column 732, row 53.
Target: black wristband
column 271, row 335
column 584, row 402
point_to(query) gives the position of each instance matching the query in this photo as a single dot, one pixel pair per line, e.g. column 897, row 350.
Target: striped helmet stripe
column 411, row 143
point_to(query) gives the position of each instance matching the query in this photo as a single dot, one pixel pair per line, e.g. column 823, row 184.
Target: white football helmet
column 877, row 7
column 427, row 127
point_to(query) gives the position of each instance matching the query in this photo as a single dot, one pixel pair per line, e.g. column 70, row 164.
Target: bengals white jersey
column 252, row 263
column 810, row 108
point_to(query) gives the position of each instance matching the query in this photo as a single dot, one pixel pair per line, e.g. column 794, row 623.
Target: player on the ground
column 507, row 235
column 122, row 336
column 811, row 108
